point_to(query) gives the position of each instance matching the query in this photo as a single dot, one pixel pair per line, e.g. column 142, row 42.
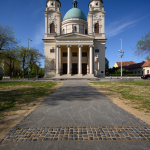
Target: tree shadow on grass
column 22, row 96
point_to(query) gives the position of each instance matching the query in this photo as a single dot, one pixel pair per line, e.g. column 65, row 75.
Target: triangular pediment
column 74, row 36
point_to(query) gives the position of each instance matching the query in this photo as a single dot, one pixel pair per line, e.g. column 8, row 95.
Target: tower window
column 85, row 31
column 96, row 28
column 52, row 28
column 74, row 29
column 96, row 3
column 51, row 50
column 63, row 31
column 96, row 50
column 52, row 4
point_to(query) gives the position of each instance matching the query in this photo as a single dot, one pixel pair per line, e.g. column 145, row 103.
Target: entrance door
column 74, row 68
column 84, row 68
column 64, row 68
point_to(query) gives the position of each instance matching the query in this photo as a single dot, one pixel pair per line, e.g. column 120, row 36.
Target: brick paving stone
column 79, row 133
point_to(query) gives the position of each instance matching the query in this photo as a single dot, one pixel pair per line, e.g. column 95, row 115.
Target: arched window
column 63, row 31
column 86, row 31
column 96, row 28
column 52, row 28
column 52, row 65
column 74, row 29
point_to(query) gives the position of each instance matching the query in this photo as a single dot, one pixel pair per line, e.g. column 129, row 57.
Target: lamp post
column 28, row 57
column 121, row 55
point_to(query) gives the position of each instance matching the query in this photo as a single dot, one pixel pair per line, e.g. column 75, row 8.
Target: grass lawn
column 18, row 93
column 138, row 92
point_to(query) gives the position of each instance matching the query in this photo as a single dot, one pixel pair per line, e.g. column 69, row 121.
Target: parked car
column 147, row 76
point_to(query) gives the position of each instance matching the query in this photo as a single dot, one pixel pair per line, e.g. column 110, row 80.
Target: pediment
column 74, row 36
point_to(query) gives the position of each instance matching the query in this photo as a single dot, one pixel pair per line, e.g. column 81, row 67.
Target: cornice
column 56, row 0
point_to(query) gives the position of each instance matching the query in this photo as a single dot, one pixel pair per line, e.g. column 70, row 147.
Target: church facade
column 74, row 44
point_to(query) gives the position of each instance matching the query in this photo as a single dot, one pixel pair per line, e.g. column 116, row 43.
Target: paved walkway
column 77, row 117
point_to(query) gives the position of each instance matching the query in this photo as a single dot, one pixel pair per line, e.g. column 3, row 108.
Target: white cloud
column 119, row 26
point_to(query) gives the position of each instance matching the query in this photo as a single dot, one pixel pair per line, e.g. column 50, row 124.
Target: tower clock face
column 96, row 17
column 52, row 17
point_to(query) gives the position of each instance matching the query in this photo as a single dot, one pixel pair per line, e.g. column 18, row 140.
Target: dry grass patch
column 131, row 96
column 18, row 99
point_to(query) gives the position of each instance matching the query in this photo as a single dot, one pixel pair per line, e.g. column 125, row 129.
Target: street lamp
column 28, row 57
column 121, row 55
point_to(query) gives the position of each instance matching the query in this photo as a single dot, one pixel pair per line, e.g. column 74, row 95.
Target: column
column 91, row 59
column 57, row 60
column 69, row 60
column 91, row 24
column 58, row 24
column 46, row 24
column 103, row 22
column 80, row 60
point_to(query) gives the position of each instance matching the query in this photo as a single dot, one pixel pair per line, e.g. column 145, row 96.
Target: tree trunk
column 24, row 65
column 10, row 69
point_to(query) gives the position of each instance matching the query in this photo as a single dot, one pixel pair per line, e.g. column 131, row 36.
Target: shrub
column 1, row 77
column 125, row 75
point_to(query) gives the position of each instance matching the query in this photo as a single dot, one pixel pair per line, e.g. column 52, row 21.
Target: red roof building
column 146, row 67
column 146, row 64
column 126, row 63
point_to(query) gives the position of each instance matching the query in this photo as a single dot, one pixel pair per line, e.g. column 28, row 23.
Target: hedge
column 1, row 77
column 125, row 75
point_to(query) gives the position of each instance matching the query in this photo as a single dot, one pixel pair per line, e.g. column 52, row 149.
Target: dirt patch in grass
column 10, row 116
column 132, row 98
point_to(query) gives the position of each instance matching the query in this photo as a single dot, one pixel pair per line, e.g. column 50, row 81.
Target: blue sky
column 126, row 19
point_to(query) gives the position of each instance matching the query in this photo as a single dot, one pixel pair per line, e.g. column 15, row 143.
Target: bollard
column 110, row 78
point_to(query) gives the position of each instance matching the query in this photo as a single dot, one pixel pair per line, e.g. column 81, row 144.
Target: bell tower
column 96, row 18
column 53, row 19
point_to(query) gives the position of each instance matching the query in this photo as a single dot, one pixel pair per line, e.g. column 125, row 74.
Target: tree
column 106, row 63
column 23, row 54
column 106, row 66
column 143, row 46
column 32, row 57
column 124, row 71
column 10, row 59
column 7, row 39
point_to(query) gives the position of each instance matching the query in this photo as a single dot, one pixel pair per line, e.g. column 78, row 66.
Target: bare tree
column 143, row 46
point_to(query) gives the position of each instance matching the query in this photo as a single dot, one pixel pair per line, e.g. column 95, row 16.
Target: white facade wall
column 146, row 70
column 136, row 70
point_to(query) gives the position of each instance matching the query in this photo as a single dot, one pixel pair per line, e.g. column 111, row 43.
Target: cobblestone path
column 99, row 133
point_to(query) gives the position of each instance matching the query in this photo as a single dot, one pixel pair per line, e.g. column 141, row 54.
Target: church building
column 74, row 44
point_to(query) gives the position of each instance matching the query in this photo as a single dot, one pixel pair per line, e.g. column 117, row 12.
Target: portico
column 74, row 59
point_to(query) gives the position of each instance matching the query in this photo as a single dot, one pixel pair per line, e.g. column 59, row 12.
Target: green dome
column 74, row 13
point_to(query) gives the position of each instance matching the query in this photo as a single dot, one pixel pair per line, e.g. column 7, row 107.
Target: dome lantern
column 74, row 13
column 75, row 4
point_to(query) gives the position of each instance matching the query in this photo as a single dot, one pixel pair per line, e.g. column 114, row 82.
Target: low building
column 126, row 63
column 135, row 68
column 146, row 67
